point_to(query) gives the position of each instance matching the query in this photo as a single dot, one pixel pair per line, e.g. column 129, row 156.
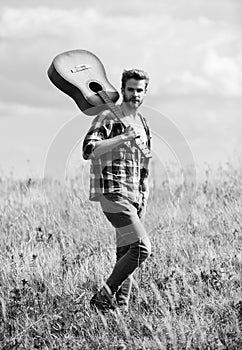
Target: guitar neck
column 118, row 114
column 112, row 106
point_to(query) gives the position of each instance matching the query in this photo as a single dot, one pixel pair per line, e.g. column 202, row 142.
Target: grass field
column 57, row 248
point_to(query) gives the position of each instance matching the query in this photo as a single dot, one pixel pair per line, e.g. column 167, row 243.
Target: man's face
column 134, row 92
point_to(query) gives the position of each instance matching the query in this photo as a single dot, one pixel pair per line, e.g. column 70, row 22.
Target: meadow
column 57, row 248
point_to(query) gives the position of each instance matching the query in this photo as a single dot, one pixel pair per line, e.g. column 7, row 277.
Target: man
column 118, row 181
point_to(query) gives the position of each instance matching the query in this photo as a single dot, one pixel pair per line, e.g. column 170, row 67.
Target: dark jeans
column 129, row 257
column 133, row 244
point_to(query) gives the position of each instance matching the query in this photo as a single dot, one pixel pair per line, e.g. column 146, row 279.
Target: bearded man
column 119, row 181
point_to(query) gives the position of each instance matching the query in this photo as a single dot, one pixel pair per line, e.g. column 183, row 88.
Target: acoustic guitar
column 81, row 75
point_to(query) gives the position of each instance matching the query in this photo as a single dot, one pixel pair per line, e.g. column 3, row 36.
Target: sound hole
column 95, row 87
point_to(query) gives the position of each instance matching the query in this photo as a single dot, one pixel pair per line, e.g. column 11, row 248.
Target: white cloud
column 179, row 53
column 32, row 22
column 219, row 75
column 186, row 83
column 27, row 132
column 225, row 72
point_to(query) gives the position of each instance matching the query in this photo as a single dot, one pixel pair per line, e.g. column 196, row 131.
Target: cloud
column 32, row 22
column 219, row 75
column 225, row 72
column 26, row 133
column 186, row 83
column 178, row 52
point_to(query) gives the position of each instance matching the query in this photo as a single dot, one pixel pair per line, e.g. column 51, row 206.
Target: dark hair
column 137, row 74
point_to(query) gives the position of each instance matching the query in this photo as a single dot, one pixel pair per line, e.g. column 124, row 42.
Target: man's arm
column 144, row 173
column 98, row 131
column 144, row 186
column 144, row 190
column 104, row 146
column 97, row 142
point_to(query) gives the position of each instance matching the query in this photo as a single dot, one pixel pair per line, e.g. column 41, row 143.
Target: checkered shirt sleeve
column 99, row 130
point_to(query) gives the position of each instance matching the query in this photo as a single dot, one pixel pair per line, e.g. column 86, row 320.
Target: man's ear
column 122, row 90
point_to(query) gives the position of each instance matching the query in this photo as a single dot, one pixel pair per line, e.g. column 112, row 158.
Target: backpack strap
column 147, row 130
column 145, row 169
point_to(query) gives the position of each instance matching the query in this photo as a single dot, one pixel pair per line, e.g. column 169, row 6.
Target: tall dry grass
column 57, row 248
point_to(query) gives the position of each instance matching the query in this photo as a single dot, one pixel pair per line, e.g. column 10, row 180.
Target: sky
column 191, row 49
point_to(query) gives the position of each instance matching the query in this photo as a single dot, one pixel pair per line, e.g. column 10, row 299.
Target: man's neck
column 128, row 111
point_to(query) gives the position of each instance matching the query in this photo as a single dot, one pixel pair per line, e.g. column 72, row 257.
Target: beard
column 132, row 101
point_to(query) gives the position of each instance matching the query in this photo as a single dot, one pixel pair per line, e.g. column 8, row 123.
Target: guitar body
column 81, row 75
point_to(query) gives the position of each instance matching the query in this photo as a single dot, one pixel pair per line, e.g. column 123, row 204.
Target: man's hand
column 104, row 146
column 129, row 134
column 142, row 209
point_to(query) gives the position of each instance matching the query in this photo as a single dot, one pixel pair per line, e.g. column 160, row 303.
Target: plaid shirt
column 120, row 170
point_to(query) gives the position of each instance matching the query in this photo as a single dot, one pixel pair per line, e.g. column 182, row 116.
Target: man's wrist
column 121, row 138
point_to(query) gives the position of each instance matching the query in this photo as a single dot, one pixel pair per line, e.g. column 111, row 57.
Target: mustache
column 132, row 99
